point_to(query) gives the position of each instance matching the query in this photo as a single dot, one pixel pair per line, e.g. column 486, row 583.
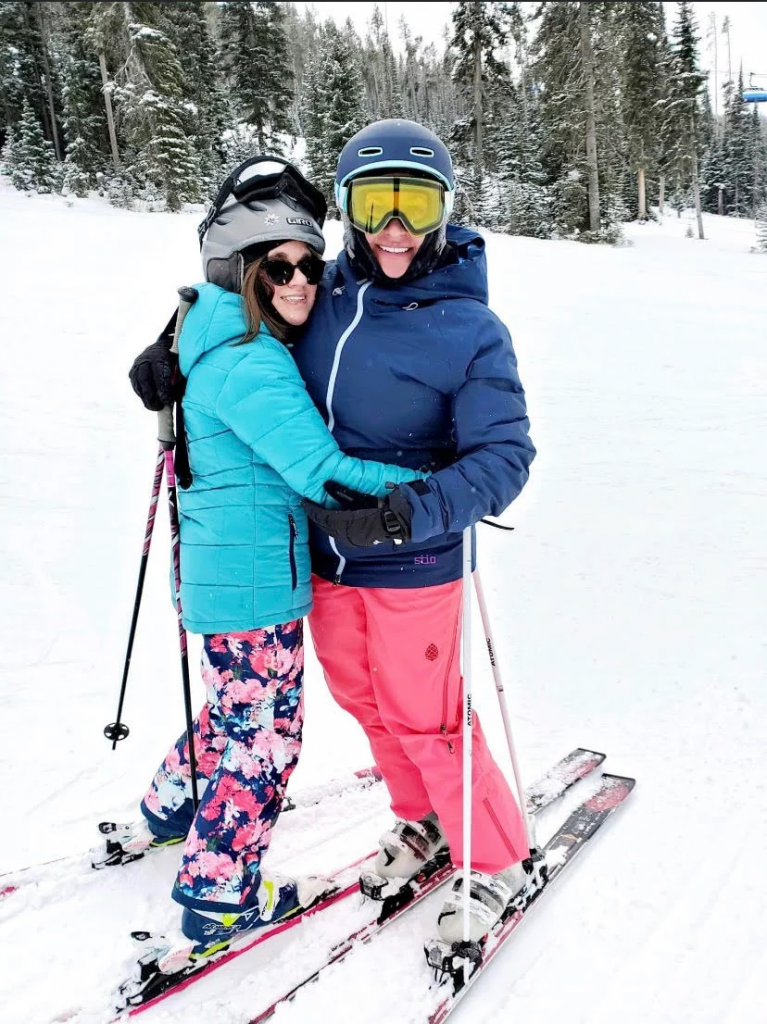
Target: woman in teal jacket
column 257, row 445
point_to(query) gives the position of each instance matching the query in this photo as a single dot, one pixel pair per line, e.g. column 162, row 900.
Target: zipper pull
column 450, row 745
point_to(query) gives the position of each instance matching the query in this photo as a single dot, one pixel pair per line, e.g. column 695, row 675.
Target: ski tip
column 625, row 781
column 612, row 791
column 587, row 751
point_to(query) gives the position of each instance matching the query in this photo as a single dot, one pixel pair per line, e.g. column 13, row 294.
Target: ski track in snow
column 628, row 609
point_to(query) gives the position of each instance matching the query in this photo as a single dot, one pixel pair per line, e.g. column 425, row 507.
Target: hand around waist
column 363, row 519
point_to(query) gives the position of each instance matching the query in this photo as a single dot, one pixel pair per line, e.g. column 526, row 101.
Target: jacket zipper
column 329, row 398
column 341, row 562
column 293, row 570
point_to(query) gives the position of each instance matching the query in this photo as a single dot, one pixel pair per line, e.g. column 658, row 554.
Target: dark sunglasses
column 281, row 271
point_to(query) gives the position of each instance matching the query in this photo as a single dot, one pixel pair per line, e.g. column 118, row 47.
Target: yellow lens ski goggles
column 418, row 202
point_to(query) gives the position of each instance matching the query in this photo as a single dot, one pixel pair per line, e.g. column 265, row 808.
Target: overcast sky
column 748, row 29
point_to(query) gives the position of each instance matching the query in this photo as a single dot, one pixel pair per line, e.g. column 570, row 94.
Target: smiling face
column 294, row 300
column 394, row 248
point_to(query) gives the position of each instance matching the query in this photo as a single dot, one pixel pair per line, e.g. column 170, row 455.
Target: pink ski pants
column 392, row 659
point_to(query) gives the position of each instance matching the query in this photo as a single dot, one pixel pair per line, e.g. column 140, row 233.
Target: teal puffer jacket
column 257, row 444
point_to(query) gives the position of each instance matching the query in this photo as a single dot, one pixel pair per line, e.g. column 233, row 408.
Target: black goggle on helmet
column 265, row 199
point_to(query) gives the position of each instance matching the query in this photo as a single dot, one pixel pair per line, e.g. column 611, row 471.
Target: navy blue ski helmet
column 394, row 143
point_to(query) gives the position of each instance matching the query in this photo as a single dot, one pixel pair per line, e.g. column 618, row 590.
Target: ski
column 458, row 967
column 575, row 766
column 119, row 849
column 166, row 966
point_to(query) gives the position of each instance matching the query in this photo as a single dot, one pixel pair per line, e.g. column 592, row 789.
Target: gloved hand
column 364, row 520
column 155, row 377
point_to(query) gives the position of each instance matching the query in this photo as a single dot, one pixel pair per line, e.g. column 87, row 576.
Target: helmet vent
column 254, row 206
column 370, row 151
column 421, row 151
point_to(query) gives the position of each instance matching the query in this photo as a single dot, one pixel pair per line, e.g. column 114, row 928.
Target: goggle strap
column 390, row 165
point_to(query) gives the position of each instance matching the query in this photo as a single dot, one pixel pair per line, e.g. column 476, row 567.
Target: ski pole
column 467, row 740
column 166, row 435
column 504, row 708
column 117, row 730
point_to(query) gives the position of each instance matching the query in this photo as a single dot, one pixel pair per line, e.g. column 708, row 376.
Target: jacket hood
column 217, row 318
column 463, row 277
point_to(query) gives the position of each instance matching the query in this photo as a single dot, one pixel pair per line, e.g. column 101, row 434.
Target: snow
column 628, row 609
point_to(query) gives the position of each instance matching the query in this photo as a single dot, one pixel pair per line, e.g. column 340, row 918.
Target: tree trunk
column 478, row 126
column 715, row 90
column 587, row 56
column 720, row 202
column 110, row 115
column 642, row 194
column 726, row 31
column 41, row 20
column 695, row 178
column 661, row 194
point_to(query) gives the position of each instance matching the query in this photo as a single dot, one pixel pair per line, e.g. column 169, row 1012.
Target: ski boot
column 412, row 854
column 278, row 899
column 493, row 899
column 207, row 935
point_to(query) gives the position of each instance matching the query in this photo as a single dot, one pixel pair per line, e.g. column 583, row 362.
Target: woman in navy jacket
column 407, row 363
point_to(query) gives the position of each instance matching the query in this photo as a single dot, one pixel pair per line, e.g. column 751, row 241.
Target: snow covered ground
column 629, row 608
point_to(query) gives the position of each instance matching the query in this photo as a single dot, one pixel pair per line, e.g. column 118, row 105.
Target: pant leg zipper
column 501, row 831
column 443, row 727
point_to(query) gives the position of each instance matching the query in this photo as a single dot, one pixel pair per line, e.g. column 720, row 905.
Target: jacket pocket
column 292, row 552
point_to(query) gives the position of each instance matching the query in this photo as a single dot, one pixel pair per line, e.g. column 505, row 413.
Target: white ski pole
column 504, row 709
column 467, row 738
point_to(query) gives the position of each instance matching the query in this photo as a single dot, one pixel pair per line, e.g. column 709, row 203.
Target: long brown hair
column 257, row 291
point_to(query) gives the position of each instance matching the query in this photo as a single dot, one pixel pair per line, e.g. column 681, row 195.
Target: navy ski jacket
column 424, row 376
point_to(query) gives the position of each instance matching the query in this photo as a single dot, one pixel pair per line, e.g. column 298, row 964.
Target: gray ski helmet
column 272, row 203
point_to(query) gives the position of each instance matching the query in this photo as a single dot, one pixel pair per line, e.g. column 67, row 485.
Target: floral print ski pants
column 247, row 742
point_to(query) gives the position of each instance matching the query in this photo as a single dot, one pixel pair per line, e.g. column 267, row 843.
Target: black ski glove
column 155, row 376
column 364, row 520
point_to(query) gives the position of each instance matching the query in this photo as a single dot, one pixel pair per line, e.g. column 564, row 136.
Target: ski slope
column 629, row 610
